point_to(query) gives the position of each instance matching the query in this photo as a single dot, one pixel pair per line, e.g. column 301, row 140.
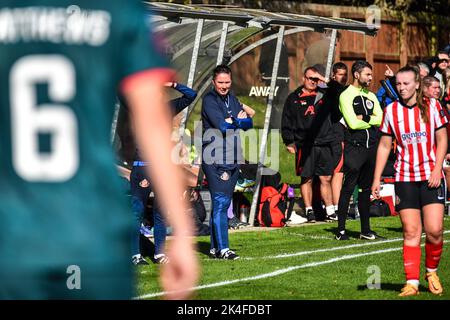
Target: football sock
column 432, row 255
column 329, row 210
column 411, row 262
column 414, row 282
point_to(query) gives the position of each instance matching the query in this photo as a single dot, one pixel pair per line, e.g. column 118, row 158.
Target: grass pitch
column 305, row 262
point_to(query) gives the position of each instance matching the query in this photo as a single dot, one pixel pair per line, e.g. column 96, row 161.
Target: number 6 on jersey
column 29, row 119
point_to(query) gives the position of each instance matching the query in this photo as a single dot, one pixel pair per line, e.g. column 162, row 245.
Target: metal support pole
column 262, row 152
column 223, row 40
column 331, row 53
column 192, row 68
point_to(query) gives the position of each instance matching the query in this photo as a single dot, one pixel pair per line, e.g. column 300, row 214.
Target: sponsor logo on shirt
column 310, row 110
column 414, row 137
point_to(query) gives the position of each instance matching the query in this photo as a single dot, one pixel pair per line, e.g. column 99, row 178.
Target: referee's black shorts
column 415, row 195
column 314, row 161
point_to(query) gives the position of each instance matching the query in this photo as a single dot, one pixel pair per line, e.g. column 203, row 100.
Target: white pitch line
column 301, row 253
column 279, row 272
column 309, row 236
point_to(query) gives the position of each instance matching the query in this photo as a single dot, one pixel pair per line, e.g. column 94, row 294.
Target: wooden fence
column 400, row 40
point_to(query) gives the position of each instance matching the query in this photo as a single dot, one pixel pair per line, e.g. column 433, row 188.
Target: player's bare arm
column 152, row 124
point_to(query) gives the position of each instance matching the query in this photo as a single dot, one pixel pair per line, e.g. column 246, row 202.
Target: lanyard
column 227, row 105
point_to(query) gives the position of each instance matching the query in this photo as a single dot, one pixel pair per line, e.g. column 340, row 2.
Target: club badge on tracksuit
column 225, row 176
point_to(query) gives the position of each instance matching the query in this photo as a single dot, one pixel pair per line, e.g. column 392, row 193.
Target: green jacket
column 353, row 102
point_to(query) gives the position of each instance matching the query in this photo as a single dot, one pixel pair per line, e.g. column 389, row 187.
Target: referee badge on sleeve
column 369, row 104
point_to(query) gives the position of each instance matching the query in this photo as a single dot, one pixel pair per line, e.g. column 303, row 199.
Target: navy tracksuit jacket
column 221, row 157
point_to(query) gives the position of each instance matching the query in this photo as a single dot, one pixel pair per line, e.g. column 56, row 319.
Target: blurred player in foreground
column 65, row 226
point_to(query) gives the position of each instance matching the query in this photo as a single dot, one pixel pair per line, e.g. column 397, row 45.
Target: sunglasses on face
column 312, row 79
column 444, row 60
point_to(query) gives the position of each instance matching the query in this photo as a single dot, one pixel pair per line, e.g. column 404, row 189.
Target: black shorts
column 338, row 157
column 415, row 195
column 314, row 161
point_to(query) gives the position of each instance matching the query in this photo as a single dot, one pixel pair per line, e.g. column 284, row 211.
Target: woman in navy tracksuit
column 222, row 117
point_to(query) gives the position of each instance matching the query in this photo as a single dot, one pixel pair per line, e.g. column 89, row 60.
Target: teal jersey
column 61, row 64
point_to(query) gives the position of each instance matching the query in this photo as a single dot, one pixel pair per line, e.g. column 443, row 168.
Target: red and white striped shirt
column 416, row 148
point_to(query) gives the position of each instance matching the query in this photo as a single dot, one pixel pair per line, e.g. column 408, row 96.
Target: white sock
column 136, row 256
column 224, row 250
column 308, row 208
column 335, row 208
column 329, row 210
column 431, row 270
column 342, row 232
column 413, row 282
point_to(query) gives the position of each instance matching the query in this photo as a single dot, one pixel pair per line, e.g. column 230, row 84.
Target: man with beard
column 362, row 114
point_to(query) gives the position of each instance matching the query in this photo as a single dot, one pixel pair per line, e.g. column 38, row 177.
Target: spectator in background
column 417, row 124
column 307, row 132
column 445, row 102
column 387, row 92
column 140, row 188
column 432, row 63
column 431, row 87
column 362, row 114
column 446, row 94
column 335, row 86
column 443, row 62
column 424, row 69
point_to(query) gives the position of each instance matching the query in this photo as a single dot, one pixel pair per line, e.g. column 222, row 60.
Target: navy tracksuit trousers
column 221, row 183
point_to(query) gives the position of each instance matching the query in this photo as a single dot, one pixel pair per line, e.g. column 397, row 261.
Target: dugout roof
column 253, row 17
